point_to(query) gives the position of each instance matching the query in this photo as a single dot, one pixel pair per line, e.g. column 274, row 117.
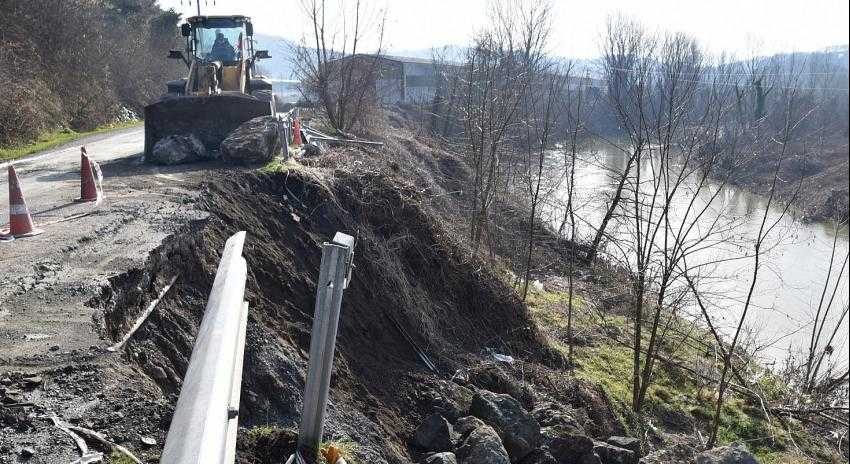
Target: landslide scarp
column 416, row 291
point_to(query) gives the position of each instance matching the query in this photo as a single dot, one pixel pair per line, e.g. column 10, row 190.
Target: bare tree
column 627, row 52
column 541, row 112
column 496, row 78
column 675, row 115
column 330, row 62
column 574, row 132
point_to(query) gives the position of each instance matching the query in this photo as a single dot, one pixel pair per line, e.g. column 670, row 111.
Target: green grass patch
column 676, row 399
column 52, row 139
column 260, row 432
column 117, row 457
column 279, row 165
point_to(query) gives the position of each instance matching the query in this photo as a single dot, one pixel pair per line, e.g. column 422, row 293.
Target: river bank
column 823, row 194
column 797, row 254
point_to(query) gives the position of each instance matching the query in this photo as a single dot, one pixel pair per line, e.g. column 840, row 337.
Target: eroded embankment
column 414, row 287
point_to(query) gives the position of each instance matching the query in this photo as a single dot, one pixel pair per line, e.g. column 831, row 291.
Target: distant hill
column 280, row 65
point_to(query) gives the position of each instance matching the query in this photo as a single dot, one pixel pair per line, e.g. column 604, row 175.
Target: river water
column 794, row 266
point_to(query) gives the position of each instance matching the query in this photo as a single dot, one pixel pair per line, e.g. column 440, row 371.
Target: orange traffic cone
column 88, row 187
column 296, row 129
column 20, row 221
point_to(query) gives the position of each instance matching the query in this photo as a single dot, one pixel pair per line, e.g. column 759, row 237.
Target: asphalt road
column 51, row 323
column 38, row 173
column 47, row 279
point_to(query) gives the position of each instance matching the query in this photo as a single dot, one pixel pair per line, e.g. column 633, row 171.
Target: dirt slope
column 413, row 288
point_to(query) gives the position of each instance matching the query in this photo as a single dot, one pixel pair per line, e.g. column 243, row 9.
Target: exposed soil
column 411, row 277
column 417, row 291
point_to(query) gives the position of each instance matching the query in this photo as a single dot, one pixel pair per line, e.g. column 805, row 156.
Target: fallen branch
column 87, row 457
column 17, row 405
column 104, row 442
column 143, row 317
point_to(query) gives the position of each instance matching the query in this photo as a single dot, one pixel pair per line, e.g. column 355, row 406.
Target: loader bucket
column 210, row 118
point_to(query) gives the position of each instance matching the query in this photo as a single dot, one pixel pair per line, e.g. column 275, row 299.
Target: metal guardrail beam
column 203, row 429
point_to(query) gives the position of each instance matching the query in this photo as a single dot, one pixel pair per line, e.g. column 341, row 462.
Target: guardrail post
column 334, row 276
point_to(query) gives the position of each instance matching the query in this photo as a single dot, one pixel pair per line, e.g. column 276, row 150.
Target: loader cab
column 220, row 55
column 220, row 39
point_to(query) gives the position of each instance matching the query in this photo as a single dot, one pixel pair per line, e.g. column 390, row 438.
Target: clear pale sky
column 736, row 26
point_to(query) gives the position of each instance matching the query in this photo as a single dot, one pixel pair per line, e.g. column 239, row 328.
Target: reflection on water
column 790, row 282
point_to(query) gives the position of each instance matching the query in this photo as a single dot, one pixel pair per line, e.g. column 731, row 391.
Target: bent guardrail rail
column 203, row 429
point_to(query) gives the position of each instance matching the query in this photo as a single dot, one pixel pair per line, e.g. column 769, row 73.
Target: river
column 794, row 266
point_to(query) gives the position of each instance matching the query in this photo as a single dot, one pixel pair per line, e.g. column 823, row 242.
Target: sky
column 740, row 27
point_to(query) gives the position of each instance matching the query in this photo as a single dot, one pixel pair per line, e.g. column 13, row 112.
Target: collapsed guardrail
column 205, row 423
column 203, row 429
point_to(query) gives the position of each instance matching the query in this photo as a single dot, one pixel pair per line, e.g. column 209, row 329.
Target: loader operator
column 221, row 49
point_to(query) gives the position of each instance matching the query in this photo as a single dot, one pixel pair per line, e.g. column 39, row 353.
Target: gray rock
column 482, row 446
column 467, row 424
column 177, row 149
column 32, row 381
column 610, row 454
column 735, row 453
column 677, row 454
column 434, row 434
column 571, row 448
column 540, row 456
column 556, row 417
column 519, row 431
column 255, row 141
column 630, row 443
column 591, row 458
column 27, row 452
column 440, row 458
column 157, row 373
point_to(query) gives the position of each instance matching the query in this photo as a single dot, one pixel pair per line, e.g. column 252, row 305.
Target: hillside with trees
column 80, row 64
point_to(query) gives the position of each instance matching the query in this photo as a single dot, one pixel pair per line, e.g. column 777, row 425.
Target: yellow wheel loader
column 222, row 90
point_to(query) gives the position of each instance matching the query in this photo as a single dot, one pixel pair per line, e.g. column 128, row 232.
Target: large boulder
column 540, row 456
column 177, row 149
column 465, row 425
column 571, row 448
column 440, row 458
column 610, row 454
column 482, row 446
column 255, row 141
column 735, row 453
column 630, row 443
column 434, row 434
column 518, row 429
column 556, row 420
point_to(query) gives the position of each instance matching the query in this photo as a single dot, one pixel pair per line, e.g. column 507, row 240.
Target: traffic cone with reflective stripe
column 296, row 129
column 20, row 221
column 88, row 187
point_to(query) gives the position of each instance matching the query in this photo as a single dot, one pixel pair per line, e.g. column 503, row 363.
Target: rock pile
column 483, row 427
